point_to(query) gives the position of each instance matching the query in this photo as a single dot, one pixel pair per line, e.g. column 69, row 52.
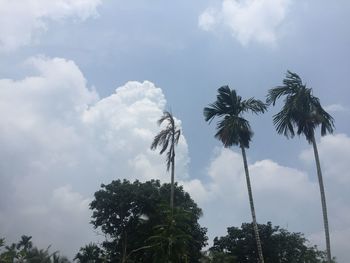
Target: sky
column 83, row 83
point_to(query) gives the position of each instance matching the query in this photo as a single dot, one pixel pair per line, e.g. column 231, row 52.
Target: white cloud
column 281, row 194
column 60, row 141
column 207, row 20
column 22, row 21
column 336, row 108
column 248, row 20
column 332, row 150
column 286, row 196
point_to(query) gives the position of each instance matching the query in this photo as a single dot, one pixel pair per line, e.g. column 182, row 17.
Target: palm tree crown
column 168, row 137
column 233, row 129
column 302, row 111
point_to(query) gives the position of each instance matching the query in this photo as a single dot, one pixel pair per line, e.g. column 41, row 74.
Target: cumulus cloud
column 281, row 193
column 60, row 141
column 332, row 150
column 22, row 21
column 248, row 20
column 287, row 196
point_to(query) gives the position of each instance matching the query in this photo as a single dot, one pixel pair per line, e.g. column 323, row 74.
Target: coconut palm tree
column 167, row 139
column 302, row 113
column 233, row 129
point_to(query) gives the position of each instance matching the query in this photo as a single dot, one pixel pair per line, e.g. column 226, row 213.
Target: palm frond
column 284, row 122
column 214, row 110
column 291, row 84
column 166, row 116
column 177, row 136
column 161, row 139
column 233, row 130
column 275, row 93
column 169, row 158
column 253, row 105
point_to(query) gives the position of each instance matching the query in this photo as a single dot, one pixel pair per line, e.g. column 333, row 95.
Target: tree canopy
column 302, row 111
column 25, row 251
column 232, row 128
column 279, row 245
column 130, row 213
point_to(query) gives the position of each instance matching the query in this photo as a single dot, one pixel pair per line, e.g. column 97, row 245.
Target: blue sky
column 82, row 84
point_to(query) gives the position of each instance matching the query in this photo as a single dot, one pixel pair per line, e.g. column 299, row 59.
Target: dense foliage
column 25, row 251
column 279, row 245
column 139, row 224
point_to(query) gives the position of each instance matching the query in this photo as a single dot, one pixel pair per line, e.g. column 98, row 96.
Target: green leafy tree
column 170, row 240
column 233, row 129
column 167, row 139
column 36, row 255
column 280, row 246
column 129, row 213
column 91, row 253
column 302, row 111
column 24, row 251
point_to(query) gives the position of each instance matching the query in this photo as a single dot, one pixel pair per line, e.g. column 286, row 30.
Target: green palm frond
column 253, row 105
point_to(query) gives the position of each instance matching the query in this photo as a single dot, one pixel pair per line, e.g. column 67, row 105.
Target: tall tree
column 303, row 111
column 233, row 129
column 168, row 138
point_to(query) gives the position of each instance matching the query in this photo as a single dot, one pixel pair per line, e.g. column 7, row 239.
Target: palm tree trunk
column 252, row 209
column 172, row 181
column 124, row 247
column 323, row 200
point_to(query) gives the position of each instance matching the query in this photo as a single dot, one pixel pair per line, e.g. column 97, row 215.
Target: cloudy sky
column 82, row 84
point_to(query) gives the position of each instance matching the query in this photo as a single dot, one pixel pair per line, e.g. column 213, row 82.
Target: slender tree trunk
column 252, row 209
column 124, row 257
column 172, row 181
column 323, row 200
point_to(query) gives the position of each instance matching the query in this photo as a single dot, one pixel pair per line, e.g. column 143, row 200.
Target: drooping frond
column 253, row 105
column 169, row 157
column 291, row 84
column 162, row 139
column 177, row 136
column 233, row 130
column 283, row 123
